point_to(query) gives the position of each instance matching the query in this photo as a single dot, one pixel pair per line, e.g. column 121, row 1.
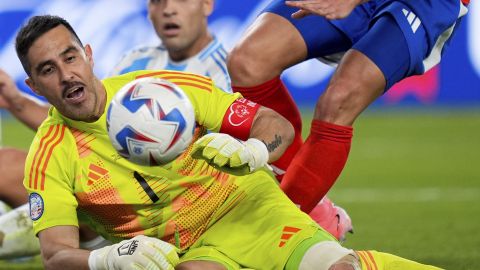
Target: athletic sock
column 318, row 164
column 383, row 261
column 274, row 95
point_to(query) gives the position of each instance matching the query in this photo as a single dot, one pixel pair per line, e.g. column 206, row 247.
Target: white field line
column 406, row 195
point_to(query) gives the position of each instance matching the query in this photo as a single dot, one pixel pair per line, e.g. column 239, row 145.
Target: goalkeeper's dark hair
column 32, row 30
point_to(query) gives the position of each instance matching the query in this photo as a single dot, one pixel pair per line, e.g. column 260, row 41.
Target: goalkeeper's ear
column 32, row 85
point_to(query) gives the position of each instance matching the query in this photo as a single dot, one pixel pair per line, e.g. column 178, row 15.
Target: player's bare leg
column 356, row 83
column 12, row 163
column 280, row 46
column 269, row 46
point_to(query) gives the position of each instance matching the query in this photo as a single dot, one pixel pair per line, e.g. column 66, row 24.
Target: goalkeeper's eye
column 47, row 70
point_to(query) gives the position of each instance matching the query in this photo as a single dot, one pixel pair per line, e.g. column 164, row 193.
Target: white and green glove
column 140, row 252
column 230, row 154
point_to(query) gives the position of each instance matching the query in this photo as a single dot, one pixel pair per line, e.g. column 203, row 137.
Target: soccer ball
column 150, row 121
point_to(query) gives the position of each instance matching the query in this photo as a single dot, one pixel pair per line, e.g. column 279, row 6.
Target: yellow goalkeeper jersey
column 73, row 173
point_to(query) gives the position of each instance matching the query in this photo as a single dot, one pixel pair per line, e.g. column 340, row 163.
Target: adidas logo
column 412, row 19
column 95, row 173
column 287, row 233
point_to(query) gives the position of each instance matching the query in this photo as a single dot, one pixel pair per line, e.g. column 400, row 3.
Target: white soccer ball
column 150, row 121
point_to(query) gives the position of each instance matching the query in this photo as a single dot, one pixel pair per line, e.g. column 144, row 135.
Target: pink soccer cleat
column 332, row 218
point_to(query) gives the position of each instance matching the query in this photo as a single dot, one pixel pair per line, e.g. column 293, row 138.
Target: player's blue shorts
column 401, row 37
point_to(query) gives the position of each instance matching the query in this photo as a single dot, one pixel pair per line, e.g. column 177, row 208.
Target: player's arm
column 330, row 9
column 60, row 250
column 275, row 131
column 250, row 137
column 25, row 109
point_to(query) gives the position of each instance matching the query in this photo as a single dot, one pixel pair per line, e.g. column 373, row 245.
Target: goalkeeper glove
column 140, row 252
column 231, row 155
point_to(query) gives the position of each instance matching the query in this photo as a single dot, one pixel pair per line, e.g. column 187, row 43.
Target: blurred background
column 113, row 27
column 412, row 183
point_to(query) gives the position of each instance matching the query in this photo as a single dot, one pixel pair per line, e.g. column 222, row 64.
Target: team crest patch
column 36, row 206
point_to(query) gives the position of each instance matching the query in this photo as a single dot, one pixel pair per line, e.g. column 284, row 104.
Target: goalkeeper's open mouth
column 74, row 94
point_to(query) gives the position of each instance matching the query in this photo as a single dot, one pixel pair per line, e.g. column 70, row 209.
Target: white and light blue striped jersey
column 210, row 62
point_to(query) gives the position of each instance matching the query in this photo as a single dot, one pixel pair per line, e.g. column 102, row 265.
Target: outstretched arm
column 25, row 109
column 265, row 141
column 330, row 9
column 60, row 250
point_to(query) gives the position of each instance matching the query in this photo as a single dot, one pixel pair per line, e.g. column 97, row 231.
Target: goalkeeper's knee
column 329, row 255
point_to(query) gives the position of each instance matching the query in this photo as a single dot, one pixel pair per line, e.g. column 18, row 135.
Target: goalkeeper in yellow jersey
column 188, row 214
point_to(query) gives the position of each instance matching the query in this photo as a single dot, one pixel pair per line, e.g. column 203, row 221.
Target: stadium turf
column 411, row 185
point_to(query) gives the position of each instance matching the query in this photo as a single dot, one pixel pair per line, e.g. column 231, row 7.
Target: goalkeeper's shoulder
column 51, row 125
column 53, row 132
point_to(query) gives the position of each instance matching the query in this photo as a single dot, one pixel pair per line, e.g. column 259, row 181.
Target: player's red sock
column 274, row 95
column 318, row 164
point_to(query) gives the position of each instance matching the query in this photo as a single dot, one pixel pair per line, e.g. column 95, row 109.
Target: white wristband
column 260, row 153
column 96, row 260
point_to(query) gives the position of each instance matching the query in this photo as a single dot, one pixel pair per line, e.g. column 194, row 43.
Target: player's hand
column 231, row 155
column 330, row 9
column 9, row 92
column 140, row 252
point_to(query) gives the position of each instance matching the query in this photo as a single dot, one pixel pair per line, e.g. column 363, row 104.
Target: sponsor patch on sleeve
column 36, row 206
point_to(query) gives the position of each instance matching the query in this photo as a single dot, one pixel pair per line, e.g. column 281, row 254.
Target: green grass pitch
column 411, row 185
